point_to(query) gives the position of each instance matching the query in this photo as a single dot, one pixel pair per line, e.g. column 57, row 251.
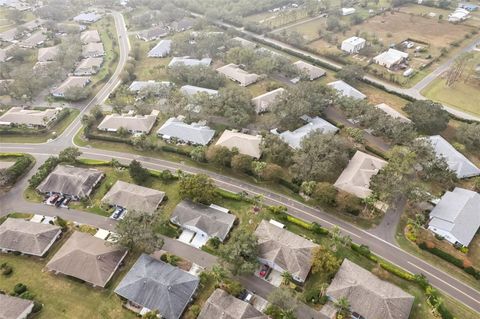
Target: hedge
column 93, row 162
column 291, row 186
column 397, row 271
column 176, row 150
column 299, row 222
column 11, row 155
column 376, row 152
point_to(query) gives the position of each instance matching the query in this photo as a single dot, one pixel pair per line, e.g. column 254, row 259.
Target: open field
column 148, row 68
column 424, row 10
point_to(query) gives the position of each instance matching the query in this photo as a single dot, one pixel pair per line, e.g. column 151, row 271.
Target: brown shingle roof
column 225, row 306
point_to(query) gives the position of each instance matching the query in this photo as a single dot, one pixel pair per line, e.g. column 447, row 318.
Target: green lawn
column 148, row 68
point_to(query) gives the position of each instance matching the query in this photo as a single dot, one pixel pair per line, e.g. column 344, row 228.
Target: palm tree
column 287, row 277
column 219, row 273
column 342, row 306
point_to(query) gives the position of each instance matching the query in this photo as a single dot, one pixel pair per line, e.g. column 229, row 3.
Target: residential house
column 284, row 251
column 468, row 6
column 456, row 161
column 32, row 118
column 456, row 217
column 90, row 36
column 9, row 35
column 347, row 11
column 183, row 24
column 87, row 258
column 369, row 296
column 189, row 61
column 392, row 112
column 201, row 223
column 459, row 15
column 235, row 73
column 87, row 17
column 222, row 305
column 153, row 33
column 134, row 124
column 346, row 90
column 153, row 285
column 26, row 237
column 191, row 90
column 71, row 181
column 174, row 129
column 161, row 50
column 390, row 58
column 353, row 44
column 70, row 82
column 313, row 72
column 138, row 86
column 134, row 197
column 245, row 43
column 262, row 102
column 33, row 41
column 88, row 66
column 244, row 143
column 15, row 4
column 93, row 50
column 295, row 138
column 48, row 54
column 355, row 178
column 15, row 307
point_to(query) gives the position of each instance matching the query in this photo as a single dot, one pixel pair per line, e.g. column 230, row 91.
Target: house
column 33, row 41
column 26, row 237
column 355, row 178
column 87, row 17
column 369, row 296
column 71, row 181
column 234, row 73
column 87, row 258
column 15, row 4
column 189, row 61
column 284, row 251
column 347, row 11
column 48, row 54
column 295, row 138
column 456, row 161
column 153, row 33
column 134, row 124
column 174, row 129
column 346, row 90
column 15, row 307
column 390, row 58
column 70, row 82
column 9, row 35
column 245, row 144
column 133, row 197
column 66, row 28
column 222, row 305
column 201, row 223
column 459, row 15
column 183, row 24
column 93, row 50
column 245, row 43
column 90, row 36
column 152, row 285
column 313, row 72
column 191, row 90
column 32, row 118
column 353, row 44
column 392, row 112
column 468, row 6
column 262, row 102
column 88, row 66
column 161, row 50
column 138, row 86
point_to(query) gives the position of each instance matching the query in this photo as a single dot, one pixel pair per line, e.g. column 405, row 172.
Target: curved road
column 14, row 201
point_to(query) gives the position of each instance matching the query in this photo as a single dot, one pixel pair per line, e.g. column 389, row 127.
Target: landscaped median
column 16, row 165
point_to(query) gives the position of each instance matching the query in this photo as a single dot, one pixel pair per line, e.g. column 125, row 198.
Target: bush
column 299, row 222
column 444, row 255
column 319, row 230
column 291, row 186
column 323, row 299
column 312, row 296
column 7, row 270
column 43, row 171
column 397, row 271
column 27, row 295
column 19, row 288
column 36, row 307
column 361, row 249
column 195, row 310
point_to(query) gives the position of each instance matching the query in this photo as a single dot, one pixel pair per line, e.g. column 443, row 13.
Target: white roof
column 354, row 40
column 87, row 17
column 263, row 101
column 355, row 178
column 313, row 71
column 458, row 213
column 294, row 138
column 456, row 161
column 161, row 49
column 392, row 112
column 234, row 72
column 102, row 233
column 140, row 85
column 189, row 61
column 191, row 90
column 390, row 57
column 192, row 133
column 347, row 90
column 136, row 123
column 246, row 144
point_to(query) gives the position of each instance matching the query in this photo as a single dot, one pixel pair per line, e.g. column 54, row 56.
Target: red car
column 263, row 271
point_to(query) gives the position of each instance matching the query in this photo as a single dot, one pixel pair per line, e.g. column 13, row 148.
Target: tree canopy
column 198, row 188
column 429, row 117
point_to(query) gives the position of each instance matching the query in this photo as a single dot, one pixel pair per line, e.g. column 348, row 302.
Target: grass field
column 148, row 68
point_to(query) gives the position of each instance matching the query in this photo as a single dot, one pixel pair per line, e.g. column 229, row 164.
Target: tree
column 77, row 93
column 325, row 194
column 321, row 157
column 342, row 305
column 469, row 135
column 219, row 155
column 69, row 155
column 151, row 315
column 137, row 172
column 240, row 253
column 268, row 171
column 285, row 300
column 137, row 231
column 201, row 75
column 323, row 260
column 198, row 188
column 233, row 103
column 429, row 117
column 198, row 154
column 242, row 163
column 275, row 150
column 351, row 73
column 458, row 67
column 338, row 239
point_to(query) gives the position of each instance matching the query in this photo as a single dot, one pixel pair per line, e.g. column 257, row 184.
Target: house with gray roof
column 294, row 138
column 48, row 54
column 189, row 61
column 33, row 118
column 134, row 124
column 26, row 237
column 262, row 102
column 174, row 129
column 153, row 285
column 283, row 250
column 72, row 181
column 191, row 90
column 456, row 161
column 70, row 82
column 34, row 40
column 138, row 86
column 369, row 296
column 87, row 258
column 346, row 90
column 90, row 36
column 88, row 66
column 93, row 50
column 313, row 72
column 87, row 17
column 134, row 197
column 161, row 50
column 392, row 112
column 14, row 307
column 222, row 305
column 456, row 217
column 235, row 73
column 153, row 33
column 201, row 222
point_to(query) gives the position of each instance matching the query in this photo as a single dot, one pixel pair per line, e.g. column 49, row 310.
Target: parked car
column 66, row 201
column 117, row 213
column 264, row 271
column 52, row 199
column 59, row 202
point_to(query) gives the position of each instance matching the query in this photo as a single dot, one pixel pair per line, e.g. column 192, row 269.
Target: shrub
column 397, row 271
column 299, row 222
column 319, row 230
column 323, row 299
column 27, row 295
column 36, row 307
column 472, row 271
column 19, row 288
column 195, row 310
column 6, row 269
column 444, row 255
column 361, row 249
column 312, row 295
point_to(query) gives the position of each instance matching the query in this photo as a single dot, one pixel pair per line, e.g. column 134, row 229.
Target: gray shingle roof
column 71, row 81
column 93, row 49
column 368, row 295
column 89, row 66
column 88, row 258
column 222, row 305
column 153, row 33
column 294, row 138
column 191, row 133
column 70, row 180
column 158, row 286
column 27, row 237
column 134, row 197
column 14, row 307
column 213, row 222
column 161, row 50
column 312, row 71
column 347, row 90
column 140, row 85
column 35, row 39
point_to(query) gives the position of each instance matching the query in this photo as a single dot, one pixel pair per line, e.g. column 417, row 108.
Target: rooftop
column 48, row 54
column 189, row 61
column 347, row 90
column 14, row 307
column 235, row 73
column 191, row 90
column 20, row 116
column 294, row 138
column 312, row 71
column 392, row 112
column 246, row 144
column 90, row 36
column 161, row 49
column 194, row 133
column 71, row 81
column 263, row 101
column 222, row 305
column 132, row 123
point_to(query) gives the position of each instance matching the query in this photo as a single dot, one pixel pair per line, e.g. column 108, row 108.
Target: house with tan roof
column 15, row 307
column 32, row 118
column 221, row 304
column 355, row 178
column 87, row 258
column 262, row 102
column 88, row 66
column 33, row 40
column 246, row 144
column 235, row 73
column 313, row 72
column 70, row 82
column 134, row 124
column 90, row 36
column 93, row 50
column 48, row 54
